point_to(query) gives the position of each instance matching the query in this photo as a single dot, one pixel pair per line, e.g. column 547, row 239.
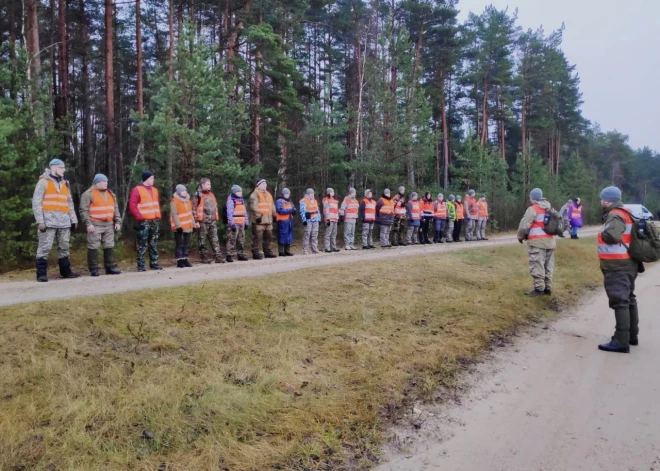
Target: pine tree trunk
column 32, row 40
column 12, row 49
column 445, row 140
column 484, row 114
column 256, row 103
column 87, row 149
column 138, row 45
column 170, row 57
column 110, row 92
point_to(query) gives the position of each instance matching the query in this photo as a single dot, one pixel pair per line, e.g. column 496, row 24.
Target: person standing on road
column 285, row 212
column 311, row 218
column 99, row 213
column 426, row 206
column 385, row 217
column 439, row 219
column 237, row 221
column 368, row 215
column 575, row 210
column 262, row 216
column 331, row 216
column 399, row 226
column 482, row 221
column 183, row 222
column 460, row 217
column 541, row 246
column 619, row 270
column 55, row 217
column 144, row 204
column 472, row 216
column 564, row 212
column 451, row 218
column 414, row 209
column 207, row 217
column 348, row 212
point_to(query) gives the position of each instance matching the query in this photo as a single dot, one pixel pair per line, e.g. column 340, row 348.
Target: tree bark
column 87, row 149
column 62, row 101
column 170, row 21
column 110, row 92
column 445, row 141
column 138, row 44
column 256, row 102
column 32, row 23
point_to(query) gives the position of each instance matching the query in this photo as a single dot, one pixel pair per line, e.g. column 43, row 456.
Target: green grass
column 293, row 371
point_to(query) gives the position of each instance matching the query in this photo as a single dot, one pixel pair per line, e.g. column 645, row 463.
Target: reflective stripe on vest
column 102, row 209
column 576, row 213
column 240, row 212
column 265, row 203
column 369, row 210
column 387, row 208
column 415, row 210
column 459, row 211
column 482, row 209
column 54, row 200
column 427, row 208
column 311, row 207
column 331, row 209
column 352, row 209
column 399, row 210
column 148, row 206
column 183, row 212
column 201, row 203
column 536, row 231
column 440, row 211
column 287, row 205
column 617, row 251
column 472, row 206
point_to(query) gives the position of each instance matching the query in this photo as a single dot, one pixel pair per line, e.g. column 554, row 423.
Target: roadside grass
column 302, row 370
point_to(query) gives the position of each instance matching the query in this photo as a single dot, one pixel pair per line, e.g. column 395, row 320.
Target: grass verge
column 298, row 371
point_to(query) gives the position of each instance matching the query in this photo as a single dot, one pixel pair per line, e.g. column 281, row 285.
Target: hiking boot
column 336, row 250
column 141, row 267
column 634, row 341
column 372, row 246
column 179, row 264
column 242, row 258
column 112, row 271
column 205, row 260
column 365, row 247
column 256, row 256
column 65, row 268
column 534, row 293
column 270, row 255
column 93, row 273
column 109, row 262
column 328, row 251
column 42, row 270
column 613, row 346
column 547, row 292
column 230, row 259
column 288, row 254
column 155, row 266
column 220, row 259
column 186, row 263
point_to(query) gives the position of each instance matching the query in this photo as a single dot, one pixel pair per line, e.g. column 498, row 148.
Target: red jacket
column 134, row 200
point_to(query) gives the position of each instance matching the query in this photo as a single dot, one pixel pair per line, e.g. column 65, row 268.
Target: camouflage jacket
column 53, row 219
column 526, row 224
column 210, row 209
column 612, row 233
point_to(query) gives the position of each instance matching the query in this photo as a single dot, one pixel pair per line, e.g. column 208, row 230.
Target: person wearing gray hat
column 310, row 215
column 348, row 214
column 237, row 220
column 205, row 208
column 564, row 212
column 451, row 218
column 460, row 217
column 482, row 221
column 540, row 245
column 368, row 214
column 55, row 216
column 471, row 216
column 183, row 222
column 262, row 217
column 619, row 271
column 331, row 217
column 399, row 226
column 439, row 219
column 99, row 213
column 286, row 210
column 414, row 214
column 385, row 218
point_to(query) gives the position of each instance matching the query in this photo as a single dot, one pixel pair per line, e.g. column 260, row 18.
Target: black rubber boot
column 243, row 258
column 65, row 268
column 155, row 266
column 93, row 262
column 613, row 346
column 179, row 264
column 230, row 259
column 534, row 293
column 42, row 270
column 186, row 263
column 141, row 267
column 109, row 262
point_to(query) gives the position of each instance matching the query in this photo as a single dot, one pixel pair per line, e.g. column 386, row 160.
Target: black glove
column 305, row 223
column 327, row 223
column 73, row 226
column 179, row 230
column 308, row 215
column 234, row 229
column 341, row 218
column 258, row 220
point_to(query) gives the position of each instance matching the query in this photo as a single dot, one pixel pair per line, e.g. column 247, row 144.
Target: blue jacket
column 284, row 228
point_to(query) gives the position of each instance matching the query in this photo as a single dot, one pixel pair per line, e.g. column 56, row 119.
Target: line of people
column 403, row 220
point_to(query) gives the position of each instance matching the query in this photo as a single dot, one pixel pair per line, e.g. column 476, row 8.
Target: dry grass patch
column 300, row 370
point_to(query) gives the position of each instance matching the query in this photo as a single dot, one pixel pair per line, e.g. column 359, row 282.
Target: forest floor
column 303, row 370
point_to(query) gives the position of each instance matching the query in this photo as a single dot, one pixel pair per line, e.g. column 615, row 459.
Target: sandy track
column 16, row 292
column 553, row 402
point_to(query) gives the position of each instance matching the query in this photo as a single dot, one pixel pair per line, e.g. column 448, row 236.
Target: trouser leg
column 153, row 235
column 240, row 240
column 307, row 237
column 458, row 225
column 46, row 240
column 178, row 245
column 365, row 234
column 315, row 236
column 450, row 231
column 257, row 239
column 619, row 287
column 549, row 267
column 326, row 237
column 536, row 257
column 349, row 234
column 333, row 236
column 62, row 236
column 268, row 239
column 203, row 237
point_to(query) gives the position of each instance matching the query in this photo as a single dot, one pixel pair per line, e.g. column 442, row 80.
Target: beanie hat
column 328, row 190
column 367, row 191
column 471, row 192
column 440, row 195
column 99, row 177
column 263, row 180
column 402, row 189
column 414, row 194
column 483, row 195
column 286, row 192
column 56, row 163
column 146, row 175
column 458, row 198
column 351, row 191
column 180, row 189
column 386, row 192
column 309, row 191
column 611, row 194
column 452, row 197
column 536, row 194
column 235, row 189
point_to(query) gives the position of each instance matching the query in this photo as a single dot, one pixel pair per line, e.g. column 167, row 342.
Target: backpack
column 645, row 244
column 554, row 223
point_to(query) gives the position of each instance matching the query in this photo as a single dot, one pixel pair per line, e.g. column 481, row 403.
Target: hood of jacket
column 49, row 176
column 544, row 204
column 388, row 198
column 282, row 197
column 176, row 196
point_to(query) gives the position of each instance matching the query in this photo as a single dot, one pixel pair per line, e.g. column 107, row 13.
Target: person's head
column 182, row 191
column 330, row 192
column 286, row 193
column 352, row 192
column 458, row 198
column 236, row 190
column 57, row 168
column 402, row 190
column 578, row 200
column 368, row 193
column 609, row 195
column 569, row 202
column 100, row 182
column 536, row 195
column 483, row 197
column 472, row 193
column 452, row 198
column 414, row 196
column 441, row 197
column 205, row 184
column 428, row 195
column 148, row 178
column 309, row 193
column 386, row 192
column 262, row 184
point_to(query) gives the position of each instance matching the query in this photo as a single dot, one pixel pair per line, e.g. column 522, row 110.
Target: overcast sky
column 616, row 47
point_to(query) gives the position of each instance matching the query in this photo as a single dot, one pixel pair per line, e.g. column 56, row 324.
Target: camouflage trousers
column 236, row 240
column 449, row 232
column 470, row 229
column 46, row 240
column 541, row 267
column 399, row 231
column 481, row 228
column 208, row 232
column 147, row 238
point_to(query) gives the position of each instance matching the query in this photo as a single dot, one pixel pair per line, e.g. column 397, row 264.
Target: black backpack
column 554, row 223
column 645, row 244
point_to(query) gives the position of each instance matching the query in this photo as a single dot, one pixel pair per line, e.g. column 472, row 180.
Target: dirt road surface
column 552, row 402
column 16, row 292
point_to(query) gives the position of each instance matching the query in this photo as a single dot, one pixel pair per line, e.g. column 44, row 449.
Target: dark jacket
column 384, row 219
column 614, row 225
column 285, row 227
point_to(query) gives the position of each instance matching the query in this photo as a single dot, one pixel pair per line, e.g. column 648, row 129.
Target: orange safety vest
column 440, row 210
column 240, row 212
column 427, row 208
column 331, row 212
column 101, row 209
column 415, row 210
column 183, row 211
column 148, row 205
column 369, row 210
column 311, row 206
column 388, row 207
column 472, row 206
column 459, row 211
column 285, row 217
column 352, row 209
column 200, row 206
column 54, row 200
column 536, row 231
column 265, row 203
column 399, row 210
column 482, row 209
column 617, row 251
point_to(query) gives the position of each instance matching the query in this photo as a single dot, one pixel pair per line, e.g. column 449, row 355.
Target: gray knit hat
column 180, row 189
column 352, row 191
column 386, row 192
column 328, row 190
column 611, row 194
column 367, row 191
column 458, row 198
column 263, row 180
column 536, row 194
column 56, row 163
column 452, row 197
column 235, row 189
column 286, row 192
column 99, row 177
column 440, row 195
column 402, row 189
column 309, row 191
column 414, row 194
column 471, row 192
